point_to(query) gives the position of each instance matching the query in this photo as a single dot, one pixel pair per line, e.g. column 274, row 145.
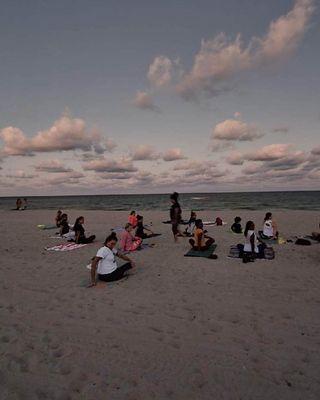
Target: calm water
column 307, row 200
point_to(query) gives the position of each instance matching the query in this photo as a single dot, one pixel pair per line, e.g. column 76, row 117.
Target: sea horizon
column 299, row 200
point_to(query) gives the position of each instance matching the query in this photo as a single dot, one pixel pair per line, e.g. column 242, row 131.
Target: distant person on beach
column 270, row 230
column 140, row 231
column 25, row 203
column 105, row 265
column 191, row 224
column 64, row 224
column 58, row 218
column 133, row 219
column 236, row 226
column 251, row 244
column 201, row 241
column 18, row 204
column 80, row 237
column 175, row 215
column 129, row 242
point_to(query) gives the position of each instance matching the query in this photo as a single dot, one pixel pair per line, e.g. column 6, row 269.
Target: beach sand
column 177, row 328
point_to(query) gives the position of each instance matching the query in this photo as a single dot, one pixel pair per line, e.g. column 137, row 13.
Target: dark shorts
column 115, row 275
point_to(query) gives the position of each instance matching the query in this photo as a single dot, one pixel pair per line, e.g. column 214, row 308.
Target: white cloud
column 144, row 152
column 233, row 129
column 110, row 165
column 220, row 60
column 65, row 134
column 144, row 101
column 173, row 155
column 160, row 71
column 53, row 166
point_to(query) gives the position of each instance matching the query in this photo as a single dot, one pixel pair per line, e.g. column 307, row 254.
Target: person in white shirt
column 104, row 264
column 251, row 244
column 270, row 230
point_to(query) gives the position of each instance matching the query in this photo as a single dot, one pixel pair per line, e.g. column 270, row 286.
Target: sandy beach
column 178, row 328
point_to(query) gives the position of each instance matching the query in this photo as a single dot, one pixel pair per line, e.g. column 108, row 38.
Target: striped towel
column 65, row 247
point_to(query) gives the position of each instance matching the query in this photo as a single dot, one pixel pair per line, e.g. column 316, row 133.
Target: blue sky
column 181, row 114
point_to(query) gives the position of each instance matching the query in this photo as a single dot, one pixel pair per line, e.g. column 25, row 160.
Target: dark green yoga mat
column 197, row 253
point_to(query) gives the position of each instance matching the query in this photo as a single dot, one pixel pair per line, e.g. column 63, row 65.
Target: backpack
column 269, row 253
column 234, row 252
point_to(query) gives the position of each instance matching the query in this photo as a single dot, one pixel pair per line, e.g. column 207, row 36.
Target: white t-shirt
column 247, row 243
column 108, row 263
column 268, row 228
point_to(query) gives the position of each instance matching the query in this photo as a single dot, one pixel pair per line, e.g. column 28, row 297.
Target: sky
column 146, row 96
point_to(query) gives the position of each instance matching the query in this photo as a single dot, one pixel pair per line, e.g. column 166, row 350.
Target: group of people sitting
column 268, row 232
column 75, row 232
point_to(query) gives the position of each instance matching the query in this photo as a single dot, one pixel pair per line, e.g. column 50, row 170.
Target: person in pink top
column 129, row 242
column 133, row 219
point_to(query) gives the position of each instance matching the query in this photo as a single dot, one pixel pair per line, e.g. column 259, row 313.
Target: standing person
column 129, row 242
column 80, row 237
column 132, row 220
column 58, row 218
column 19, row 204
column 270, row 230
column 175, row 215
column 105, row 264
column 201, row 241
column 141, row 228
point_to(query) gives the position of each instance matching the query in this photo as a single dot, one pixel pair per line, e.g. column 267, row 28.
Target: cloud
column 270, row 152
column 20, row 174
column 53, row 166
column 235, row 158
column 160, row 71
column 104, row 165
column 218, row 145
column 144, row 101
column 233, row 129
column 144, row 153
column 316, row 151
column 66, row 133
column 221, row 60
column 173, row 155
column 67, row 178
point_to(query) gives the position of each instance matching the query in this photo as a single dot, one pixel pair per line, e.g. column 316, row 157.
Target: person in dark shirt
column 236, row 226
column 175, row 215
column 58, row 218
column 64, row 225
column 80, row 237
column 141, row 228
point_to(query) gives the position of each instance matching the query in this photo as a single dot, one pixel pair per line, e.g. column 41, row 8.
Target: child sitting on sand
column 105, row 265
column 80, row 237
column 128, row 241
column 141, row 228
column 201, row 241
column 64, row 225
column 236, row 226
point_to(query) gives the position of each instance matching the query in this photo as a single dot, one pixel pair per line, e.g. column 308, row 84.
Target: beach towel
column 48, row 226
column 65, row 247
column 208, row 223
column 205, row 253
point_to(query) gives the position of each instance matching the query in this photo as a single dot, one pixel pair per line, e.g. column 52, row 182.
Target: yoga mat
column 65, row 247
column 43, row 226
column 205, row 254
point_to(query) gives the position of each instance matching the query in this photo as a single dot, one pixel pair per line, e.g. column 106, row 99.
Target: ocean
column 300, row 200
